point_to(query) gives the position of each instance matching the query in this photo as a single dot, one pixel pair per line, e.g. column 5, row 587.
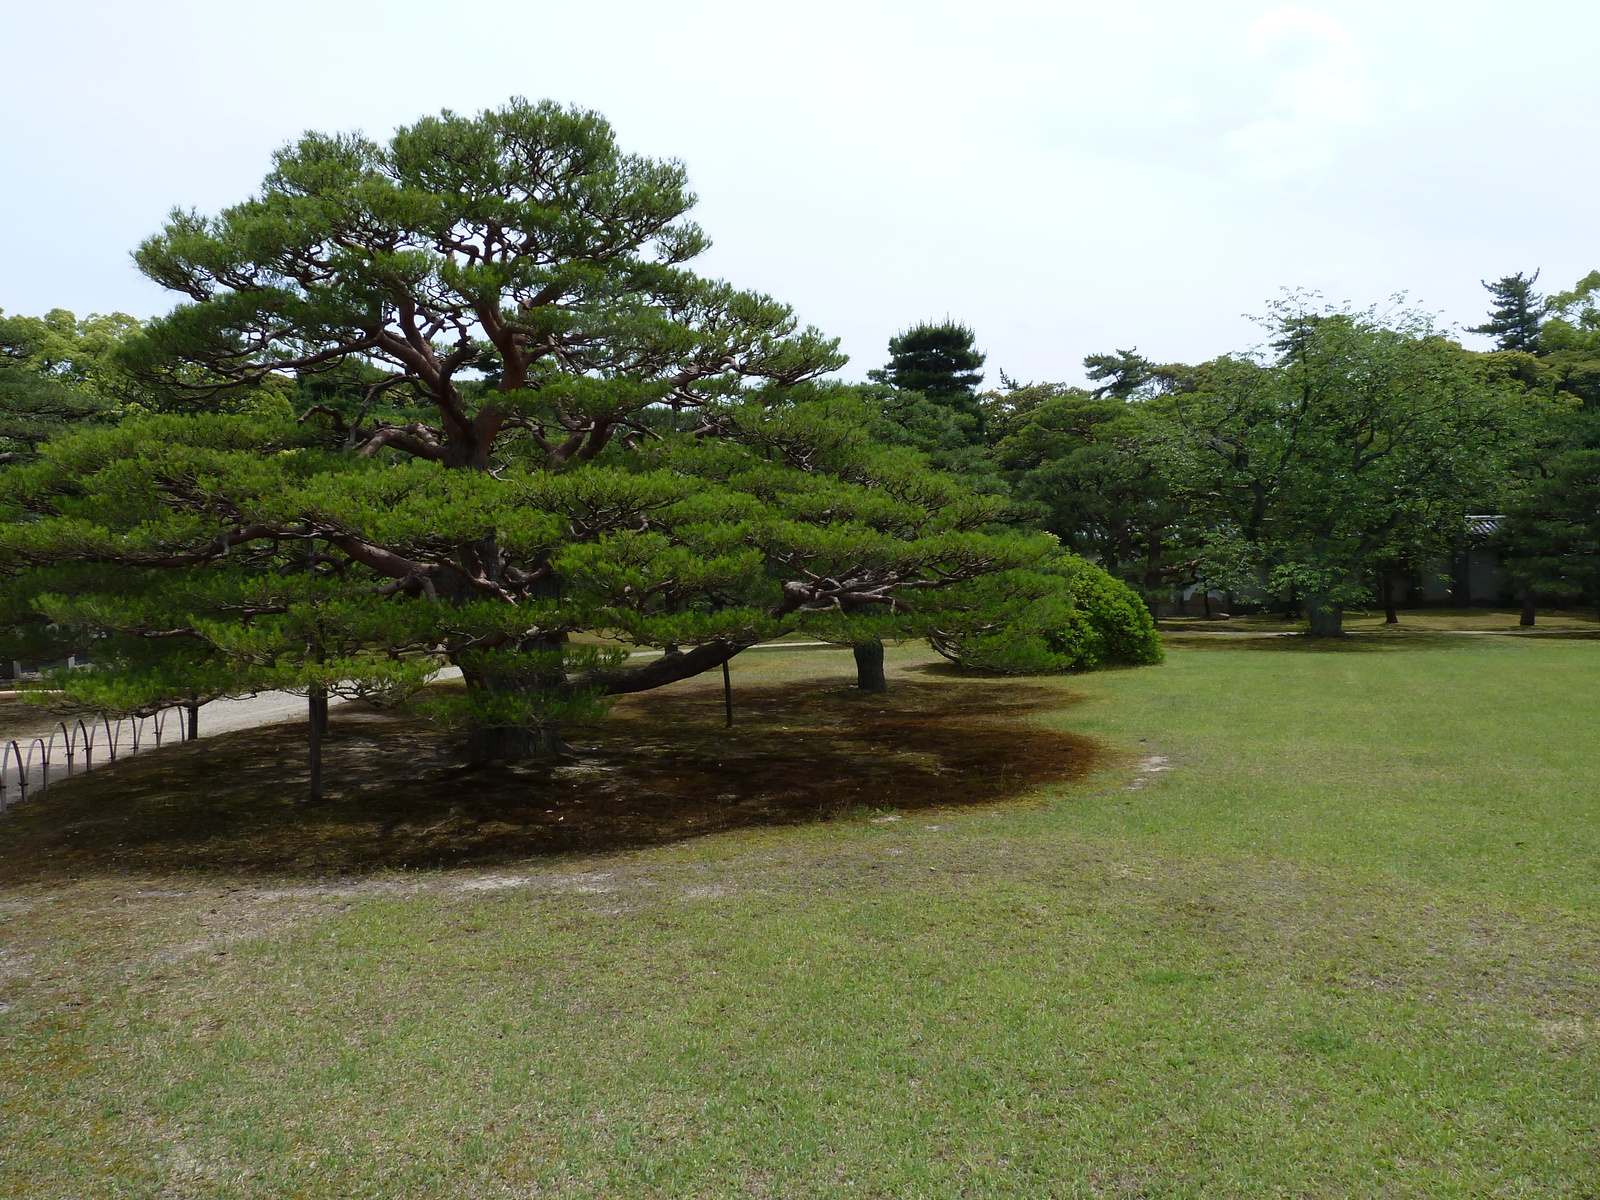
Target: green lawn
column 1409, row 620
column 1343, row 945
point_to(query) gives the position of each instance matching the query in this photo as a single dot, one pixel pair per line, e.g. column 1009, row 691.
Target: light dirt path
column 272, row 708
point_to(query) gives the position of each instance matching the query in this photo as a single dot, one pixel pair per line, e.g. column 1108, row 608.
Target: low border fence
column 29, row 765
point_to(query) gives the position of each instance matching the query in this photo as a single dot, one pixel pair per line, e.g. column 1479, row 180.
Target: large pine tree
column 535, row 428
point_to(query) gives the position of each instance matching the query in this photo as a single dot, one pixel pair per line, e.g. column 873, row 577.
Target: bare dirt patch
column 660, row 768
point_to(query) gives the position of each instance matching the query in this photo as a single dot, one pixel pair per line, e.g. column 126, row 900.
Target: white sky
column 1065, row 177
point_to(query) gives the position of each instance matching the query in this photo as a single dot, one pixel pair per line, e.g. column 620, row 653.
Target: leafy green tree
column 1095, row 472
column 1515, row 320
column 1550, row 538
column 1352, row 439
column 52, row 376
column 1548, row 541
column 1545, row 541
column 940, row 362
column 616, row 476
column 521, row 238
column 529, row 421
column 1569, row 343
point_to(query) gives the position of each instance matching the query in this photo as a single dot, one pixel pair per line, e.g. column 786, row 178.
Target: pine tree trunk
column 869, row 666
column 1460, row 580
column 490, row 743
column 1390, row 617
column 194, row 719
column 540, row 738
column 1327, row 618
column 316, row 730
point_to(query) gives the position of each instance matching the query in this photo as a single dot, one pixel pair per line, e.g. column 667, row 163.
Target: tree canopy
column 54, row 375
column 1096, row 472
column 1548, row 540
column 1568, row 359
column 1352, row 437
column 521, row 240
column 1352, row 444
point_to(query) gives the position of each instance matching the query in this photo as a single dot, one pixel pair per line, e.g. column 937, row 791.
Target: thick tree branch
column 669, row 668
column 413, row 439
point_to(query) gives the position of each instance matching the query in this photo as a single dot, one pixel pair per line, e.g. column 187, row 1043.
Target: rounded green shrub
column 1063, row 615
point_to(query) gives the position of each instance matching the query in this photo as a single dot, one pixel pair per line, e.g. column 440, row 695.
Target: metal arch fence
column 27, row 765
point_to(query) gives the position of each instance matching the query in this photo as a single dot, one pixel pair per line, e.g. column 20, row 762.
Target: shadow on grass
column 660, row 768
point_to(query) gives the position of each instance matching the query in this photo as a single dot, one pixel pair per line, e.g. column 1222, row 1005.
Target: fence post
column 71, row 749
column 33, row 767
column 12, row 752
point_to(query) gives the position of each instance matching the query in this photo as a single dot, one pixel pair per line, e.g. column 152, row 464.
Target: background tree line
column 1344, row 452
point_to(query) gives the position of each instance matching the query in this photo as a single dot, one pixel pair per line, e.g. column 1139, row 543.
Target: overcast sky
column 1066, row 178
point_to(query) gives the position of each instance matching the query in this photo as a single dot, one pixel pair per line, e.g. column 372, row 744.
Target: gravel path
column 272, row 708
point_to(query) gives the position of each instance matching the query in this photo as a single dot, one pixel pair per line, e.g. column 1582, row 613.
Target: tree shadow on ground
column 659, row 769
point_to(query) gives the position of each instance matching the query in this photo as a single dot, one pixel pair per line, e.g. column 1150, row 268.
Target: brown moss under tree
column 661, row 767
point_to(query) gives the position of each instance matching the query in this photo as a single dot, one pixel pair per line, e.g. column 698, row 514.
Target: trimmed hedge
column 1064, row 615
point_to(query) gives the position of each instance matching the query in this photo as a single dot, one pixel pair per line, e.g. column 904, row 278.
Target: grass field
column 1302, row 924
column 1410, row 620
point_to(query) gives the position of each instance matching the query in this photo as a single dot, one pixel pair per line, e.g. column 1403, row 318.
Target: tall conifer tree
column 942, row 362
column 1517, row 314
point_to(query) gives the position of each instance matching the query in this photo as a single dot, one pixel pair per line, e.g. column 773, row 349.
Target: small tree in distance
column 942, row 362
column 1517, row 314
column 1119, row 375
